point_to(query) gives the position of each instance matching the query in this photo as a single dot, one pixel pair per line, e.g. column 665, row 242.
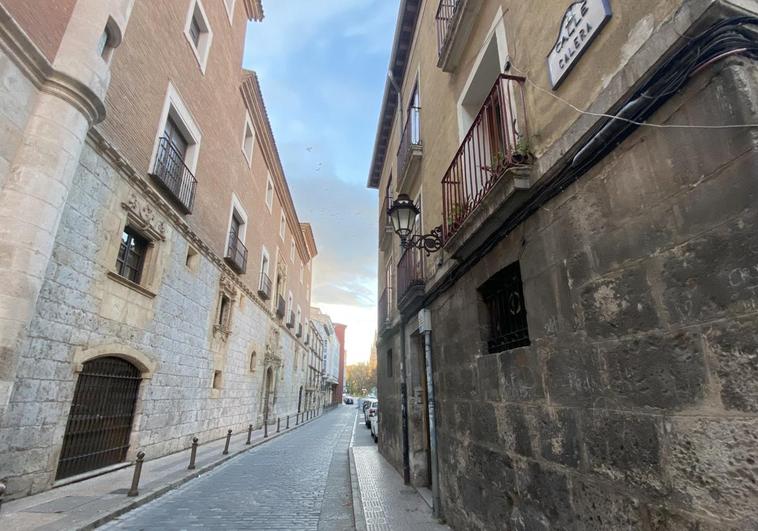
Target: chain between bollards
column 278, row 421
column 134, row 491
column 228, row 438
column 249, row 433
column 193, row 454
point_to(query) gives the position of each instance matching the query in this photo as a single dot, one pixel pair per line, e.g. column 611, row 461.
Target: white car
column 374, row 419
column 370, row 411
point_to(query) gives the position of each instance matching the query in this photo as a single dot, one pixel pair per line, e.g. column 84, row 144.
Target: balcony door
column 174, row 135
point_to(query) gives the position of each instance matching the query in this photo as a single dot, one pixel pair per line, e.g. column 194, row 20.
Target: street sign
column 581, row 23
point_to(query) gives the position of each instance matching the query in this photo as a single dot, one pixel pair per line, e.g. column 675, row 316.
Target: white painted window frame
column 269, row 198
column 236, row 206
column 247, row 151
column 206, row 37
column 174, row 106
column 292, row 250
column 282, row 226
column 229, row 5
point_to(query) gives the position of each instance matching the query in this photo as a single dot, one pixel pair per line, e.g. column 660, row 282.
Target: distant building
column 156, row 277
column 593, row 304
column 340, row 329
column 332, row 348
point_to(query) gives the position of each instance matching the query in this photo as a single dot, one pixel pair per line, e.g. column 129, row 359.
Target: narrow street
column 299, row 481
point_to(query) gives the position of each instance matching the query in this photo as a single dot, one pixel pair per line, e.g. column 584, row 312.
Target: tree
column 360, row 379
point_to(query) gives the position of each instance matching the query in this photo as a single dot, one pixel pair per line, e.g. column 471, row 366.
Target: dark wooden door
column 100, row 421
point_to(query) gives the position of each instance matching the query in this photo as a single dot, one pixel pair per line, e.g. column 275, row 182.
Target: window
column 248, row 140
column 301, row 273
column 217, row 379
column 269, row 193
column 389, row 363
column 253, row 361
column 289, row 302
column 504, row 297
column 292, row 250
column 192, row 258
column 229, row 5
column 282, row 226
column 131, row 255
column 224, row 312
column 110, row 38
column 198, row 33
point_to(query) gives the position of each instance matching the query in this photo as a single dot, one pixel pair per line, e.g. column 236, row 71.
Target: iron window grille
column 131, row 255
column 504, row 297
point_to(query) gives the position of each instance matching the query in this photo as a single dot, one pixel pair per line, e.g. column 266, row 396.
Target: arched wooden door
column 101, row 416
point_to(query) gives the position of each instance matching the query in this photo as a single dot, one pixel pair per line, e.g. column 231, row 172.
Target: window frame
column 134, row 236
column 269, row 196
column 282, row 225
column 236, row 207
column 175, row 108
column 230, row 9
column 248, row 151
column 202, row 49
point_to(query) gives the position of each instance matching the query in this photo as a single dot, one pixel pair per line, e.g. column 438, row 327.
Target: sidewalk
column 92, row 502
column 383, row 502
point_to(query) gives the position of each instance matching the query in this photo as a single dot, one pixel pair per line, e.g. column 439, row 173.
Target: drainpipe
column 425, row 327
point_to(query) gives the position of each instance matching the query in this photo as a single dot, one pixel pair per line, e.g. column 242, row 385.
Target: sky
column 322, row 67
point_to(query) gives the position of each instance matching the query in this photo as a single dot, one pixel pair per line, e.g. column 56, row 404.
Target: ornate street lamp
column 403, row 215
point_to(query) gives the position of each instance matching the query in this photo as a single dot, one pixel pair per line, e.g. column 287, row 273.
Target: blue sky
column 322, row 66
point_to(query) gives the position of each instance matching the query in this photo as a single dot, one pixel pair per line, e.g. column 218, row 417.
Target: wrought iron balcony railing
column 281, row 307
column 299, row 330
column 410, row 142
column 236, row 253
column 410, row 271
column 291, row 321
column 445, row 14
column 496, row 141
column 264, row 287
column 174, row 176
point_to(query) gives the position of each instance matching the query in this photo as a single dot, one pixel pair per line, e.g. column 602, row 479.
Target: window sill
column 201, row 58
column 131, row 285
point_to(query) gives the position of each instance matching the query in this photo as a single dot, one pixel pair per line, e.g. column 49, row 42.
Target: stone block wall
column 81, row 308
column 635, row 405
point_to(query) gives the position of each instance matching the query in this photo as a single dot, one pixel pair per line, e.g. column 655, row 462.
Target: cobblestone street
column 297, row 482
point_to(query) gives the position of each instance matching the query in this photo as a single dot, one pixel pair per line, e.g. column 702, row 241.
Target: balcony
column 299, row 330
column 410, row 277
column 455, row 20
column 384, row 309
column 385, row 225
column 280, row 307
column 264, row 287
column 291, row 320
column 496, row 142
column 173, row 176
column 409, row 153
column 236, row 253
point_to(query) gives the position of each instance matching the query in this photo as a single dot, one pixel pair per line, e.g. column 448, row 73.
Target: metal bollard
column 297, row 419
column 134, row 491
column 2, row 492
column 249, row 433
column 278, row 421
column 228, row 438
column 193, row 454
column 265, row 427
column 288, row 423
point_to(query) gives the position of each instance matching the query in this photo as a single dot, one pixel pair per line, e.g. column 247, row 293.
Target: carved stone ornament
column 228, row 287
column 144, row 218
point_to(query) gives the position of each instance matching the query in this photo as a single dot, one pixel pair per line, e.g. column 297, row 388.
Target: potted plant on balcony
column 454, row 216
column 522, row 153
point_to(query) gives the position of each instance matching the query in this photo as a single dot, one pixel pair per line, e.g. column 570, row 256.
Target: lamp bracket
column 430, row 243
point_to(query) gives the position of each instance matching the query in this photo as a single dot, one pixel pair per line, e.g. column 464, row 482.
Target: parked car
column 348, row 400
column 375, row 424
column 370, row 411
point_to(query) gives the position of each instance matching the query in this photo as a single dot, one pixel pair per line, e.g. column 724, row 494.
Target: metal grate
column 504, row 297
column 100, row 421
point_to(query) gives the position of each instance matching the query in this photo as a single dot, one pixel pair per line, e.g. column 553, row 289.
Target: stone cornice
column 254, row 10
column 28, row 57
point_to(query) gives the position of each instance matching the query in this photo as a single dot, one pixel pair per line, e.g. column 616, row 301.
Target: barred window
column 504, row 296
column 131, row 255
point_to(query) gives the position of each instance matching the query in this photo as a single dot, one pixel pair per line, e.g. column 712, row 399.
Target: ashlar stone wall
column 636, row 404
column 82, row 308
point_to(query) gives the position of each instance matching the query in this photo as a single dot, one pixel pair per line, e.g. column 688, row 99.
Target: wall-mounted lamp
column 403, row 214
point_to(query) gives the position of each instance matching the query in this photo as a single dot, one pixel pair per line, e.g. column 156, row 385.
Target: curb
column 171, row 486
column 358, row 517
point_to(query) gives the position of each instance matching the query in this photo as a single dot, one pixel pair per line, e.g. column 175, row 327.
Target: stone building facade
column 591, row 326
column 339, row 331
column 156, row 276
column 332, row 348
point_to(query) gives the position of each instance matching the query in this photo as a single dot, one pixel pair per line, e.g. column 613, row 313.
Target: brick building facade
column 592, row 322
column 156, row 271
